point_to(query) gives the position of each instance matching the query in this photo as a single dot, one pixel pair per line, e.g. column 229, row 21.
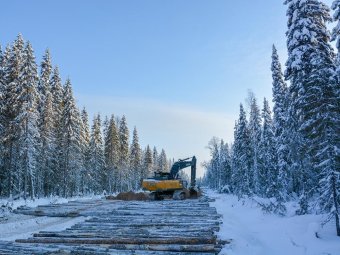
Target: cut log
column 197, row 240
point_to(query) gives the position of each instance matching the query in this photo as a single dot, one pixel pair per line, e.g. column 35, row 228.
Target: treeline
column 46, row 145
column 294, row 152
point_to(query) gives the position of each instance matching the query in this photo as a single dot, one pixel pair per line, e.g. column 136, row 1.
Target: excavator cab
column 168, row 185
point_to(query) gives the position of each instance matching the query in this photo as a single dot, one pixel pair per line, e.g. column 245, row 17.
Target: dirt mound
column 129, row 196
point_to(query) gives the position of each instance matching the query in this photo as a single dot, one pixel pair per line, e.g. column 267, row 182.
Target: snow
column 254, row 232
column 17, row 226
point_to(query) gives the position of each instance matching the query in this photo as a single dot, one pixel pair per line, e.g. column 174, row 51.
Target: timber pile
column 130, row 227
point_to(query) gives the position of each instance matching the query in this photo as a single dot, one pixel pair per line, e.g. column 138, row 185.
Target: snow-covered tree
column 27, row 121
column 124, row 155
column 281, row 131
column 242, row 156
column 57, row 92
column 10, row 108
column 163, row 162
column 268, row 169
column 112, row 154
column 310, row 68
column 97, row 159
column 44, row 79
column 147, row 162
column 85, row 173
column 255, row 137
column 135, row 161
column 155, row 159
column 47, row 148
column 70, row 158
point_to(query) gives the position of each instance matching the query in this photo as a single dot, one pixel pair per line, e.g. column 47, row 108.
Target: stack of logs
column 131, row 227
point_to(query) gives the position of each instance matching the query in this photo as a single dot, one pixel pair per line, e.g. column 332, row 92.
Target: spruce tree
column 112, row 154
column 267, row 152
column 255, row 137
column 336, row 35
column 57, row 92
column 163, row 162
column 147, row 163
column 242, row 156
column 12, row 68
column 97, row 160
column 155, row 159
column 27, row 121
column 225, row 164
column 328, row 128
column 44, row 80
column 310, row 68
column 84, row 145
column 70, row 156
column 47, row 146
column 135, row 161
column 124, row 156
column 281, row 131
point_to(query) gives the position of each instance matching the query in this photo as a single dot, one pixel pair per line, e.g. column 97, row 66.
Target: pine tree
column 70, row 157
column 124, row 156
column 135, row 161
column 27, row 121
column 97, row 159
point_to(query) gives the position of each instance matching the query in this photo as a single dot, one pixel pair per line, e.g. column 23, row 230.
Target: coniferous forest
column 292, row 151
column 46, row 144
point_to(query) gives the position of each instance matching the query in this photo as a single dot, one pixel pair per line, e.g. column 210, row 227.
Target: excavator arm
column 183, row 163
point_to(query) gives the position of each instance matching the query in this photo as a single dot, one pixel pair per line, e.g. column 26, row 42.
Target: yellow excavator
column 169, row 185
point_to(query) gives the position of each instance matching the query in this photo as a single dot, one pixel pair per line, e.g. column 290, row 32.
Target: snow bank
column 16, row 226
column 256, row 233
column 14, row 204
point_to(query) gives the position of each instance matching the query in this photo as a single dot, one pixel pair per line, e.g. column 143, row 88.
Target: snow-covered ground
column 256, row 233
column 16, row 226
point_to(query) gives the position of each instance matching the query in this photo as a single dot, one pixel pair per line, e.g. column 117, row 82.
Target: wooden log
column 138, row 226
column 196, row 240
column 172, row 247
column 122, row 235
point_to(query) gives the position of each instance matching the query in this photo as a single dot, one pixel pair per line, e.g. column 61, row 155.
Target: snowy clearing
column 255, row 232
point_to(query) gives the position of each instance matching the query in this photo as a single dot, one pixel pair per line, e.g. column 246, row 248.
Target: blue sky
column 177, row 69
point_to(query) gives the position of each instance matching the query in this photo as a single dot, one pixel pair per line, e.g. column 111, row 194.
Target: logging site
column 170, row 127
column 169, row 217
column 110, row 226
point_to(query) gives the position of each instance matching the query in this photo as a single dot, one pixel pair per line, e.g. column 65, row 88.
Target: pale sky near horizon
column 177, row 69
